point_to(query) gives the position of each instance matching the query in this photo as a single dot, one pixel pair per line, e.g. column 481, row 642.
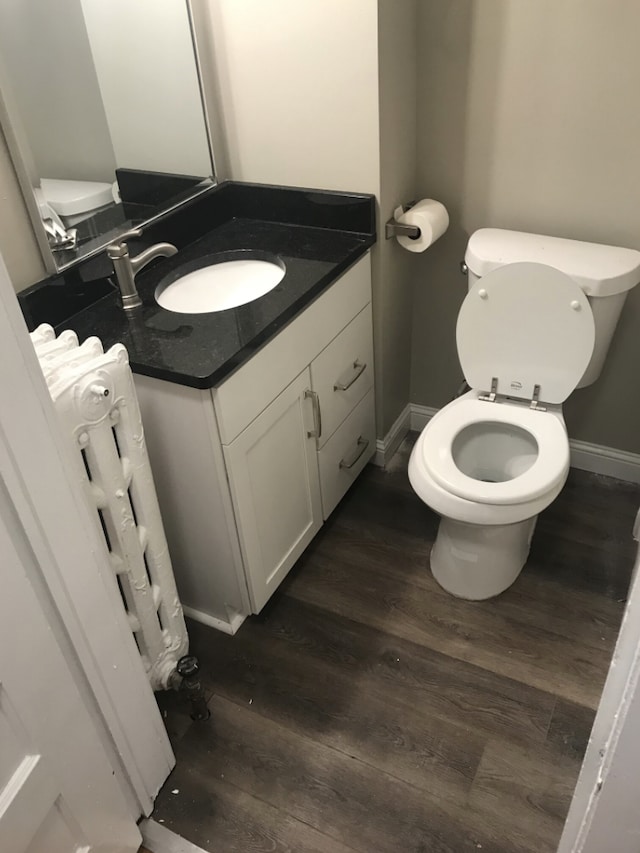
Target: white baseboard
column 159, row 839
column 386, row 447
column 595, row 458
column 219, row 624
column 605, row 460
column 420, row 416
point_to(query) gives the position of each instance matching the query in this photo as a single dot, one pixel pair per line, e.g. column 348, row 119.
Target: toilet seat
column 545, row 473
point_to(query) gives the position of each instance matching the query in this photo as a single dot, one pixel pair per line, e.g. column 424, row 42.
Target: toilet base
column 476, row 561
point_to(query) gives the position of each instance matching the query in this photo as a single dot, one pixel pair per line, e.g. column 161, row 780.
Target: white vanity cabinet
column 275, row 487
column 278, row 444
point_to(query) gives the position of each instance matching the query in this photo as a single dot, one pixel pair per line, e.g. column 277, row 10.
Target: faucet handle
column 118, row 249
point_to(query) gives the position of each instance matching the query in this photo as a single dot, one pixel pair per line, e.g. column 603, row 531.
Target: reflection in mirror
column 101, row 105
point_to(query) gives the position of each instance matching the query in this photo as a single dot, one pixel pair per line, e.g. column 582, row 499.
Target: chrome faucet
column 126, row 267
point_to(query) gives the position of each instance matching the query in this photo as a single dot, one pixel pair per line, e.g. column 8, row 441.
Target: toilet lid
column 525, row 324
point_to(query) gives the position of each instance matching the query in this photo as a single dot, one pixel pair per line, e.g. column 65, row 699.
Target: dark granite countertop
column 316, row 235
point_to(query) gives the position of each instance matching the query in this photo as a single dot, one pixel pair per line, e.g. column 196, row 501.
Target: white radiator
column 95, row 399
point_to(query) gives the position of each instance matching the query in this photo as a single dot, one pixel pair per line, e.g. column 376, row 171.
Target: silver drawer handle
column 361, row 446
column 359, row 369
column 316, row 432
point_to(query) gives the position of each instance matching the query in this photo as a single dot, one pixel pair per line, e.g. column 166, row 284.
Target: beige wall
column 528, row 119
column 394, row 271
column 18, row 246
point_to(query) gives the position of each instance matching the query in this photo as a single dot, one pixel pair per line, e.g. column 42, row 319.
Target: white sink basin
column 219, row 285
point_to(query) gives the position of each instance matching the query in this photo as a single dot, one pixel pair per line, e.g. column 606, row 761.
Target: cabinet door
column 273, row 474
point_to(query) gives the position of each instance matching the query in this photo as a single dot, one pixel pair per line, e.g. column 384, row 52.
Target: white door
column 273, row 474
column 62, row 543
column 58, row 793
column 604, row 814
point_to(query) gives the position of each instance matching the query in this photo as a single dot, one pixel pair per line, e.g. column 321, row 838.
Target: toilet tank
column 605, row 273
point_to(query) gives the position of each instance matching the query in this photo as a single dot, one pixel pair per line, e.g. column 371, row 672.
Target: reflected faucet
column 126, row 267
column 60, row 238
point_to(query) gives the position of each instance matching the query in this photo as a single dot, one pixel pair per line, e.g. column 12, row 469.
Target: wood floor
column 367, row 710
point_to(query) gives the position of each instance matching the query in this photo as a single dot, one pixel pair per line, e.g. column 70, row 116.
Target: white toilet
column 536, row 323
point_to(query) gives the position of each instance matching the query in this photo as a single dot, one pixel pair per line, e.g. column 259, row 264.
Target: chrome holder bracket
column 535, row 400
column 398, row 229
column 393, row 228
column 491, row 397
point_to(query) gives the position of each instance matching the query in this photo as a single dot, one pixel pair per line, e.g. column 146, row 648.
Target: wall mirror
column 101, row 103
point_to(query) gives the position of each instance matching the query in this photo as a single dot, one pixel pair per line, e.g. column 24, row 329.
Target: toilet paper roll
column 432, row 219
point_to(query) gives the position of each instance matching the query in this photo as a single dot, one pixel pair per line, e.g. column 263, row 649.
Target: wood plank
column 531, row 789
column 570, row 729
column 604, row 496
column 535, row 599
column 474, row 632
column 374, row 500
column 343, row 798
column 358, row 714
column 225, row 819
column 582, row 541
column 580, row 565
column 399, row 673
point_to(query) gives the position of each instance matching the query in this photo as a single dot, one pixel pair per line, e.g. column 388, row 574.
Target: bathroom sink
column 219, row 282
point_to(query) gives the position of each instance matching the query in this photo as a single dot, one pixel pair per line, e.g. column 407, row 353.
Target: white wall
column 298, row 83
column 149, row 85
column 528, row 120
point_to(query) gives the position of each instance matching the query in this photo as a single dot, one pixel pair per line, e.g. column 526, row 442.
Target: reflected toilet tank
column 74, row 201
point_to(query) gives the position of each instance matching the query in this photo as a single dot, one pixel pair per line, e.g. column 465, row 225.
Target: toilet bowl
column 493, row 459
column 488, row 475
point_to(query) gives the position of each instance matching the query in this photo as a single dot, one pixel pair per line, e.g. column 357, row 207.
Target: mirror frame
column 19, row 151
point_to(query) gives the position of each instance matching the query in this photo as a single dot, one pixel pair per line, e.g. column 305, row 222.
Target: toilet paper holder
column 393, row 228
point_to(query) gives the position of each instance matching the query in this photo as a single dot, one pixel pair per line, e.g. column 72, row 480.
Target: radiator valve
column 188, row 669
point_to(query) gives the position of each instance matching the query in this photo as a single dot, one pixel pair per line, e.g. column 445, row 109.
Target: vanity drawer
column 343, row 372
column 250, row 389
column 346, row 453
